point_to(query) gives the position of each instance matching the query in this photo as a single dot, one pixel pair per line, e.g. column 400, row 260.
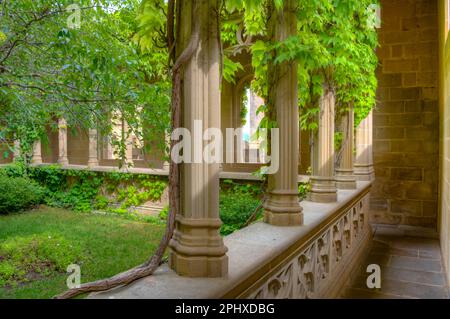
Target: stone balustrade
column 313, row 260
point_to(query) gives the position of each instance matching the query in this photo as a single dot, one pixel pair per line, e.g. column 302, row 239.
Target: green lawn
column 108, row 245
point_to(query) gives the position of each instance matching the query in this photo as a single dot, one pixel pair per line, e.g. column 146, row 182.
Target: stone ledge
column 158, row 171
column 252, row 251
column 405, row 230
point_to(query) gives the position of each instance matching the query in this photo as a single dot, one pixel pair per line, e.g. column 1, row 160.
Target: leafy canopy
column 88, row 75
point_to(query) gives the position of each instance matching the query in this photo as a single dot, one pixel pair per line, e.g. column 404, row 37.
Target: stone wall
column 444, row 105
column 50, row 146
column 406, row 119
column 6, row 156
column 77, row 146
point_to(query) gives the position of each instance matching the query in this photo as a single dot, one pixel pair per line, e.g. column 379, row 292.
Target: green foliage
column 35, row 255
column 86, row 75
column 334, row 46
column 101, row 202
column 164, row 213
column 237, row 202
column 230, row 186
column 243, row 107
column 230, row 69
column 338, row 140
column 104, row 240
column 84, row 190
column 235, row 210
column 303, row 190
column 18, row 193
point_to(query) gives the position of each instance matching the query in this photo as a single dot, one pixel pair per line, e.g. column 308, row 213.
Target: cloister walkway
column 411, row 267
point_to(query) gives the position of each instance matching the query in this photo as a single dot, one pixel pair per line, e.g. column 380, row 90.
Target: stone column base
column 283, row 209
column 92, row 163
column 63, row 161
column 345, row 179
column 323, row 190
column 197, row 249
column 198, row 266
column 36, row 160
column 364, row 172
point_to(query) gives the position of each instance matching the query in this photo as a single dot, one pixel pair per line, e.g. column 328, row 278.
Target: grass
column 108, row 245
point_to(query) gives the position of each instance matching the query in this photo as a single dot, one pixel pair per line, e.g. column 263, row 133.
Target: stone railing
column 320, row 266
column 314, row 260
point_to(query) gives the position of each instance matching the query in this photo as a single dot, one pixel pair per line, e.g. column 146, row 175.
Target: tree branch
column 153, row 263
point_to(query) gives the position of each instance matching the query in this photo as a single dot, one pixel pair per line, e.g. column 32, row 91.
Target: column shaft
column 364, row 156
column 93, row 148
column 128, row 140
column 37, row 153
column 197, row 249
column 16, row 153
column 282, row 207
column 345, row 176
column 62, row 142
column 323, row 185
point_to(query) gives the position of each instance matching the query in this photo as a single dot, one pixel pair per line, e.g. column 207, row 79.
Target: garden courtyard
column 36, row 247
column 254, row 149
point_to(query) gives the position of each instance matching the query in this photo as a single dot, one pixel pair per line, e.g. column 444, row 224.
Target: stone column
column 323, row 185
column 93, row 148
column 37, row 153
column 128, row 140
column 129, row 151
column 345, row 176
column 282, row 207
column 197, row 249
column 16, row 153
column 364, row 153
column 62, row 142
column 166, row 163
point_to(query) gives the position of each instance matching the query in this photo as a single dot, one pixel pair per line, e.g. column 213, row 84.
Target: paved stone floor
column 411, row 267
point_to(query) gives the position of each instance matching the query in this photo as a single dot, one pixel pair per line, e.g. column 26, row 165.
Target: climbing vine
column 335, row 45
column 331, row 48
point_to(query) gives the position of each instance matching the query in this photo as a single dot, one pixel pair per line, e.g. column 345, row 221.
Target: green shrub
column 7, row 272
column 235, row 210
column 18, row 193
column 16, row 169
column 101, row 202
column 164, row 213
column 37, row 254
column 303, row 190
column 250, row 188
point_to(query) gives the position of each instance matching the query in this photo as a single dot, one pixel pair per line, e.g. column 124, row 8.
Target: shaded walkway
column 411, row 267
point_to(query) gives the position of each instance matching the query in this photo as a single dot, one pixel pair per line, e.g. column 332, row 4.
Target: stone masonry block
column 381, row 119
column 390, row 107
column 407, row 174
column 406, row 146
column 404, row 93
column 404, row 65
column 408, row 207
column 421, row 191
column 408, row 119
column 409, row 79
column 397, row 51
column 389, row 133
